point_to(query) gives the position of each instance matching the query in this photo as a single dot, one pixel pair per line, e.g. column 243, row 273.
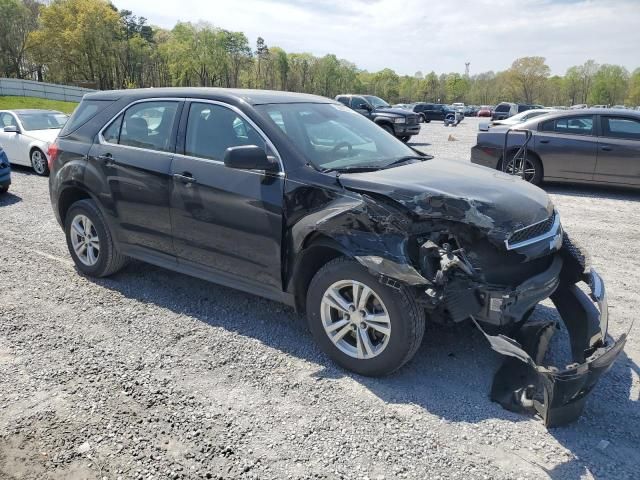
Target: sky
column 424, row 35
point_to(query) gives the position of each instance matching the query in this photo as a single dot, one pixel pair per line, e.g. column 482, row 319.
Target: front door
column 11, row 142
column 568, row 147
column 134, row 155
column 619, row 150
column 225, row 220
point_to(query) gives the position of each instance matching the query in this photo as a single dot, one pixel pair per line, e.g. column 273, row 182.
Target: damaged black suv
column 299, row 199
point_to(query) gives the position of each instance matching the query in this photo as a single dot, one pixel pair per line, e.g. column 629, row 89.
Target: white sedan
column 25, row 136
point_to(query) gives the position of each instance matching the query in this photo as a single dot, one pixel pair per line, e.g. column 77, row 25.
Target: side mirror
column 249, row 157
column 363, row 106
column 11, row 129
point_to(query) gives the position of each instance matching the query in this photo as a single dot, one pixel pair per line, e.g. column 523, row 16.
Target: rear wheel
column 532, row 169
column 363, row 325
column 4, row 189
column 90, row 242
column 39, row 162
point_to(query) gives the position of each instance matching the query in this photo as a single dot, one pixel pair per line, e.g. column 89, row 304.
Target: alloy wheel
column 355, row 319
column 529, row 169
column 39, row 162
column 85, row 240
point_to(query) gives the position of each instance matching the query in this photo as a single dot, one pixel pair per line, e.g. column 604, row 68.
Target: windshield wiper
column 406, row 159
column 354, row 169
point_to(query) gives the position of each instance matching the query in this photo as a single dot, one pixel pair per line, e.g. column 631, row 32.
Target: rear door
column 225, row 220
column 619, row 150
column 133, row 155
column 568, row 147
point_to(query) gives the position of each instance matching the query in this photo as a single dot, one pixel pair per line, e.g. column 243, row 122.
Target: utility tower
column 466, row 69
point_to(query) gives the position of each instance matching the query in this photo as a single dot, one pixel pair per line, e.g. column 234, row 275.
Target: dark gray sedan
column 600, row 146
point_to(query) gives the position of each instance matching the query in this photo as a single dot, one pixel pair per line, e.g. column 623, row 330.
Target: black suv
column 295, row 198
column 399, row 122
column 431, row 111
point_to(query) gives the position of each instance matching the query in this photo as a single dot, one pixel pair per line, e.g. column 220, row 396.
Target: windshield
column 377, row 102
column 335, row 137
column 42, row 120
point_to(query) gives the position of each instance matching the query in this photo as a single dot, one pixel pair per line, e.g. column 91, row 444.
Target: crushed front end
column 467, row 282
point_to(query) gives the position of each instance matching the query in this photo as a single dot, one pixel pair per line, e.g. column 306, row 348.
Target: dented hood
column 458, row 191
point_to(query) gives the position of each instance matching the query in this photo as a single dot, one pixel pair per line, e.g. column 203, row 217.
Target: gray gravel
column 151, row 374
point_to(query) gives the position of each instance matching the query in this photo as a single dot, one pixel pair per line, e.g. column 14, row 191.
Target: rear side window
column 82, row 114
column 211, row 129
column 621, row 127
column 582, row 125
column 144, row 125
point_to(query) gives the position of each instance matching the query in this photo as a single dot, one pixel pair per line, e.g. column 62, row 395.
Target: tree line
column 92, row 43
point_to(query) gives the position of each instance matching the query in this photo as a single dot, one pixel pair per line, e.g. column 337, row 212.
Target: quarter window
column 582, row 125
column 112, row 133
column 147, row 125
column 211, row 129
column 621, row 127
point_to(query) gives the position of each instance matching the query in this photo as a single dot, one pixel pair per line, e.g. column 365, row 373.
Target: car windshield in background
column 334, row 137
column 377, row 102
column 42, row 120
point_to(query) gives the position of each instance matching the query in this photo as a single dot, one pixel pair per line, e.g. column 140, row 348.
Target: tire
column 423, row 119
column 405, row 139
column 108, row 259
column 39, row 162
column 533, row 163
column 388, row 129
column 406, row 320
column 4, row 189
column 427, row 121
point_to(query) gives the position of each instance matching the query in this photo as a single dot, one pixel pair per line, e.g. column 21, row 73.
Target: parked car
column 600, row 106
column 578, row 106
column 458, row 107
column 406, row 106
column 5, row 172
column 399, row 122
column 295, row 198
column 504, row 110
column 485, row 111
column 516, row 119
column 27, row 134
column 587, row 146
column 431, row 111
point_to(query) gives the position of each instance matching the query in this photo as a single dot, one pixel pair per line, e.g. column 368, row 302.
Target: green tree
column 17, row 20
column 527, row 76
column 633, row 97
column 609, row 85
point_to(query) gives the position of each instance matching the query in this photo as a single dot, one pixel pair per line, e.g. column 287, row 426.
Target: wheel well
column 35, row 148
column 530, row 153
column 385, row 122
column 67, row 198
column 320, row 251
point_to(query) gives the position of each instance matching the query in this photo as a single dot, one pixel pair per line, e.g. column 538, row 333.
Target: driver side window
column 358, row 103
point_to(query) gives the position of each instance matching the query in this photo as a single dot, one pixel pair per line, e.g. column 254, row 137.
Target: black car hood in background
column 492, row 201
column 395, row 111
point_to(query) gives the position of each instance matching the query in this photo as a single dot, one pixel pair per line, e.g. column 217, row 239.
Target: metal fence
column 29, row 88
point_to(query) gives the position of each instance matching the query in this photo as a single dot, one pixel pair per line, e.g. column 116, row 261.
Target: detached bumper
column 557, row 395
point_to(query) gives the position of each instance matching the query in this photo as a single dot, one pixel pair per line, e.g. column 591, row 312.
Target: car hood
column 458, row 191
column 395, row 111
column 48, row 135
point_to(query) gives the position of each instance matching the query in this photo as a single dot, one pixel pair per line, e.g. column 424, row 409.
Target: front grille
column 532, row 231
column 412, row 119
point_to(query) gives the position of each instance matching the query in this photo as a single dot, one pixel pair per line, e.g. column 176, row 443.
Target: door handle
column 107, row 159
column 606, row 148
column 544, row 141
column 184, row 177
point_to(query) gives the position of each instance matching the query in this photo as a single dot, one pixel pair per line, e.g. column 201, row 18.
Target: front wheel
column 39, row 162
column 388, row 129
column 363, row 325
column 4, row 189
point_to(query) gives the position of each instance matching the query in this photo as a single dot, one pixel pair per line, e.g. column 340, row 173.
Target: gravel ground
column 152, row 374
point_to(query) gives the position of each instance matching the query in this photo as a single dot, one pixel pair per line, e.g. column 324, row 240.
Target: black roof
column 253, row 97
